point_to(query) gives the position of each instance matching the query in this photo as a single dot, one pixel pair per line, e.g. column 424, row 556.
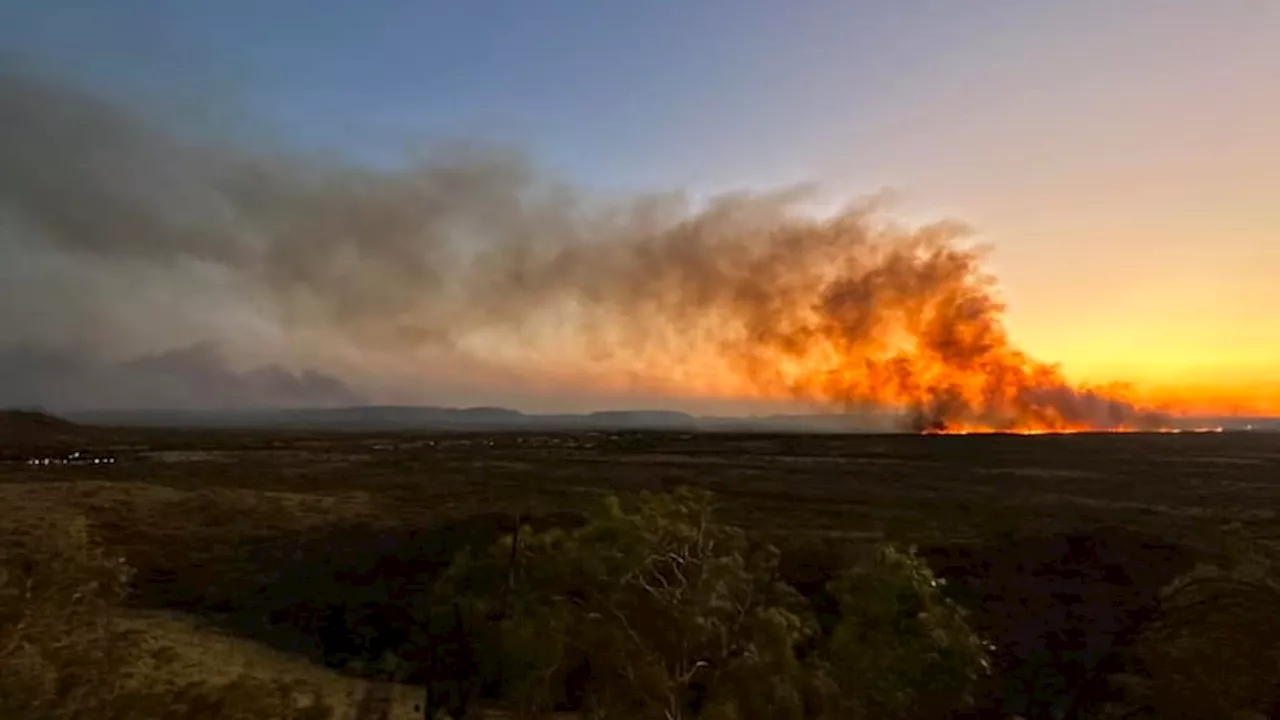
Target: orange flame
column 912, row 323
column 859, row 317
column 747, row 298
column 1070, row 431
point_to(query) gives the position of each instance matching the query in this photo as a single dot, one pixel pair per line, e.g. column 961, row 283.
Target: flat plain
column 233, row 533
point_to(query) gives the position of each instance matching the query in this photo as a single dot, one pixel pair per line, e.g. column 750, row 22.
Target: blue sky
column 714, row 93
column 1122, row 156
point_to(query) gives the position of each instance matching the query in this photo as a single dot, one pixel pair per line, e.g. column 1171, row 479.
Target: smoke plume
column 120, row 240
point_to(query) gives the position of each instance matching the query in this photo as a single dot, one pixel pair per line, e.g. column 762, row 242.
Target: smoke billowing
column 141, row 267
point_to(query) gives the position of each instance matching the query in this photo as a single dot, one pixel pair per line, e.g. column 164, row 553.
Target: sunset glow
column 1072, row 431
column 1076, row 226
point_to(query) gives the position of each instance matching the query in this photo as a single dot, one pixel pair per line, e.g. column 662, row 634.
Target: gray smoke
column 196, row 377
column 123, row 243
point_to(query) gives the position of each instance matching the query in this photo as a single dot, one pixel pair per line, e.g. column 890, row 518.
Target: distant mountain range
column 498, row 418
column 481, row 418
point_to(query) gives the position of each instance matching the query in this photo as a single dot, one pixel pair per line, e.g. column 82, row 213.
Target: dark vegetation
column 27, row 433
column 667, row 575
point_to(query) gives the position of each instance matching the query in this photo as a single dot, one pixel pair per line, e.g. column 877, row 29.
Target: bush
column 900, row 649
column 659, row 603
column 63, row 656
column 56, row 650
column 659, row 611
column 1214, row 649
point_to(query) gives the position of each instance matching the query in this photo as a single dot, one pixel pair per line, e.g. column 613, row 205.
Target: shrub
column 659, row 611
column 1214, row 649
column 56, row 651
column 63, row 656
column 900, row 649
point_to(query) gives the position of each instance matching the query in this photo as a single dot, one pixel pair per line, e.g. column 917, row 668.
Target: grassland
column 240, row 540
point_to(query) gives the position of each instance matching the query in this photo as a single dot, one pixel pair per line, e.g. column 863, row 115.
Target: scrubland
column 313, row 575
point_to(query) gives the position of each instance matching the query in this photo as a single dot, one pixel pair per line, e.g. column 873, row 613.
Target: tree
column 901, row 649
column 660, row 602
column 1214, row 648
column 657, row 610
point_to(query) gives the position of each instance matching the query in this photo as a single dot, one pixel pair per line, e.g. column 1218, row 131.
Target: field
column 241, row 540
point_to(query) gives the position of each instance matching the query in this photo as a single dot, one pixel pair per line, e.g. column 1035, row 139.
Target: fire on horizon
column 353, row 269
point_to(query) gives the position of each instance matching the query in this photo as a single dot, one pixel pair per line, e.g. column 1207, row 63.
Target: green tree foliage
column 901, row 649
column 671, row 614
column 651, row 610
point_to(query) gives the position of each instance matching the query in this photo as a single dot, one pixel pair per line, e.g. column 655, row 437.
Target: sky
column 1122, row 159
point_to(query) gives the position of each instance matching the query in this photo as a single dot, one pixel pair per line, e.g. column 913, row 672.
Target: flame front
column 1072, row 431
column 855, row 317
column 476, row 264
column 914, row 325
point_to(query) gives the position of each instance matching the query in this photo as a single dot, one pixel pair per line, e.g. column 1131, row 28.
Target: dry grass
column 183, row 651
column 200, row 505
column 68, row 647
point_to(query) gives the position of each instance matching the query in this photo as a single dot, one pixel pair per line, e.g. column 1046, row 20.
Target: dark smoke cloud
column 139, row 239
column 195, row 377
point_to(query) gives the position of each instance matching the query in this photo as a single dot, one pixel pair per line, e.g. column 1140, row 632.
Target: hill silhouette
column 375, row 418
column 426, row 417
column 33, row 429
